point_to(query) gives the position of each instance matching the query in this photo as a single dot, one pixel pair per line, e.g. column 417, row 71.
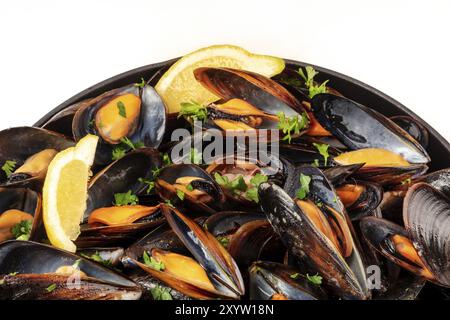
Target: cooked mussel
column 420, row 247
column 275, row 281
column 20, row 214
column 359, row 127
column 317, row 231
column 30, row 270
column 414, row 128
column 192, row 185
column 129, row 114
column 249, row 100
column 25, row 154
column 210, row 273
column 126, row 178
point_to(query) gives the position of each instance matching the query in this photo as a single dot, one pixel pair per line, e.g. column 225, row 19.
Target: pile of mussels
column 349, row 213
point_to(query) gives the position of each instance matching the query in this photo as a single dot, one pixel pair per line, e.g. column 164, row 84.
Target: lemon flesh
column 178, row 84
column 65, row 192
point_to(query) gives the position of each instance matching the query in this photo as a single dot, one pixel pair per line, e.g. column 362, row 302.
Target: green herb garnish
column 166, row 160
column 152, row 262
column 323, row 150
column 160, row 293
column 406, row 181
column 310, row 84
column 22, row 230
column 180, row 194
column 195, row 156
column 12, row 274
column 304, row 186
column 291, row 125
column 315, row 279
column 235, row 185
column 295, row 275
column 140, row 84
column 118, row 152
column 126, row 145
column 150, row 184
column 122, row 110
column 252, row 193
column 193, row 111
column 51, row 287
column 124, row 199
column 224, row 241
column 132, row 145
column 189, row 187
column 9, row 167
column 97, row 258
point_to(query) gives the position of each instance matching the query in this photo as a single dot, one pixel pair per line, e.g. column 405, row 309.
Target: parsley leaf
column 22, row 230
column 189, row 187
column 51, row 287
column 224, row 241
column 140, row 84
column 193, row 110
column 152, row 262
column 195, row 156
column 180, row 194
column 252, row 193
column 304, row 188
column 97, row 258
column 323, row 150
column 150, row 184
column 122, row 110
column 123, row 199
column 295, row 275
column 406, row 181
column 160, row 293
column 291, row 125
column 315, row 279
column 133, row 146
column 166, row 159
column 236, row 185
column 9, row 167
column 312, row 86
column 258, row 179
column 118, row 152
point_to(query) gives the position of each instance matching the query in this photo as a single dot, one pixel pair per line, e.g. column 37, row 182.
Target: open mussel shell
column 61, row 122
column 124, row 175
column 414, row 128
column 109, row 257
column 174, row 180
column 129, row 112
column 275, row 281
column 440, row 180
column 426, row 215
column 228, row 222
column 339, row 174
column 208, row 252
column 16, row 205
column 360, row 127
column 28, row 269
column 21, row 144
column 360, row 198
column 263, row 97
column 344, row 276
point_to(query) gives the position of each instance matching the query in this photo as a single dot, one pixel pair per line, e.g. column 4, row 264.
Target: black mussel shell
column 414, row 128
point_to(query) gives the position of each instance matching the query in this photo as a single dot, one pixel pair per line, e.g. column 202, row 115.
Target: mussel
column 317, row 231
column 274, row 281
column 31, row 270
column 25, row 154
column 420, row 247
column 210, row 273
column 130, row 115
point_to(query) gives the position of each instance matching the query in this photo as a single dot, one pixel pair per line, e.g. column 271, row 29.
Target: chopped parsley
column 193, row 111
column 140, row 84
column 195, row 156
column 124, row 199
column 152, row 262
column 224, row 241
column 406, row 181
column 295, row 275
column 308, row 76
column 122, row 109
column 150, row 184
column 315, row 279
column 323, row 150
column 235, row 185
column 160, row 293
column 166, row 160
column 9, row 167
column 97, row 258
column 12, row 274
column 291, row 125
column 304, row 186
column 252, row 193
column 126, row 145
column 118, row 153
column 51, row 287
column 22, row 230
column 180, row 194
column 189, row 187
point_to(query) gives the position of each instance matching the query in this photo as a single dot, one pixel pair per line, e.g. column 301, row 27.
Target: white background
column 51, row 50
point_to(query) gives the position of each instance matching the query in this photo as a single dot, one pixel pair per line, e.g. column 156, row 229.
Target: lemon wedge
column 65, row 192
column 178, row 84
